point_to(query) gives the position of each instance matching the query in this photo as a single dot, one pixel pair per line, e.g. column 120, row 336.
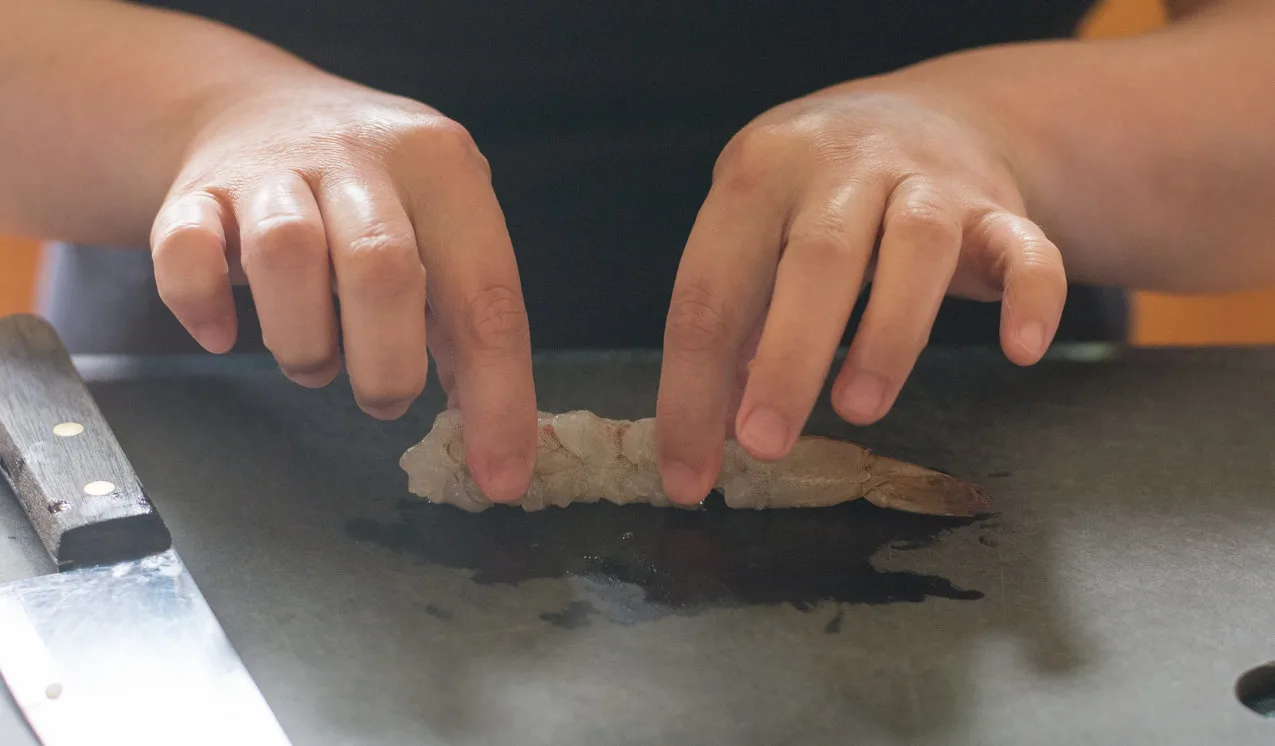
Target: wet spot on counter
column 575, row 615
column 833, row 626
column 637, row 563
column 438, row 612
column 907, row 546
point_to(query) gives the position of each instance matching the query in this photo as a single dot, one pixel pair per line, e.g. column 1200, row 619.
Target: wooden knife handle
column 61, row 458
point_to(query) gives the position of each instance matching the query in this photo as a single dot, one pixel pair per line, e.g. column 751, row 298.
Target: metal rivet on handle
column 99, row 489
column 68, row 429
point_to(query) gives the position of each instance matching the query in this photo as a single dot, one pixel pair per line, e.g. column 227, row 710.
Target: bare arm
column 1150, row 160
column 101, row 99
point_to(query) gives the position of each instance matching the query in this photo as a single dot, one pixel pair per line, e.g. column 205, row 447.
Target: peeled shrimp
column 584, row 458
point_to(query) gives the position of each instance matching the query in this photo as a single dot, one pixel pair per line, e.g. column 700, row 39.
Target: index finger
column 721, row 289
column 474, row 287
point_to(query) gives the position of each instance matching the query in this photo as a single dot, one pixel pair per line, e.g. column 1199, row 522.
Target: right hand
column 330, row 186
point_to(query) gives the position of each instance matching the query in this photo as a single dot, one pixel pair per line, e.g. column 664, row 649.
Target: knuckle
column 1038, row 252
column 181, row 235
column 752, row 156
column 822, row 238
column 450, row 134
column 696, row 321
column 381, row 264
column 1022, row 247
column 825, row 249
column 380, row 248
column 448, row 142
column 282, row 242
column 926, row 219
column 924, row 210
column 496, row 320
column 1039, row 266
column 1001, row 228
column 779, row 363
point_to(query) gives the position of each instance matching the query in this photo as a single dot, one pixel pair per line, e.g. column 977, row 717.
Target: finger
column 920, row 247
column 381, row 284
column 743, row 365
column 442, row 350
column 1034, row 282
column 476, row 294
column 284, row 252
column 722, row 284
column 818, row 279
column 188, row 249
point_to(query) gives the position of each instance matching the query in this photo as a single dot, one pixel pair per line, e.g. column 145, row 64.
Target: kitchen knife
column 119, row 646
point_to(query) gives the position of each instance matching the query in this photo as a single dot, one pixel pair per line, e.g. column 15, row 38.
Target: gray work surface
column 1124, row 582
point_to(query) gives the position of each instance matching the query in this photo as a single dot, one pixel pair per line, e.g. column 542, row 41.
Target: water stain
column 637, row 563
column 575, row 615
column 833, row 626
column 438, row 612
column 911, row 544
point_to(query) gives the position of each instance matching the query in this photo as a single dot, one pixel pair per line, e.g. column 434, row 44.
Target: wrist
column 210, row 106
column 993, row 92
column 1038, row 108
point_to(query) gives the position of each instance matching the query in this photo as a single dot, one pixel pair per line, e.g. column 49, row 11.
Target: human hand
column 863, row 182
column 327, row 186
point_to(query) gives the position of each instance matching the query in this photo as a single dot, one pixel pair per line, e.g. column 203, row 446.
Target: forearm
column 1150, row 161
column 100, row 100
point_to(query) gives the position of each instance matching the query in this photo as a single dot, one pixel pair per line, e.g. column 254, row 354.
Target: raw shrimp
column 584, row 458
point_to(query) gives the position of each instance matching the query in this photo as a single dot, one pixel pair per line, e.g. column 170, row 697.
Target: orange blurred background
column 1245, row 318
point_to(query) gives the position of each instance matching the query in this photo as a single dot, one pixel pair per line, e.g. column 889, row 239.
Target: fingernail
column 1031, row 337
column 313, row 375
column 214, row 337
column 388, row 412
column 765, row 433
column 507, row 479
column 681, row 483
column 311, row 379
column 863, row 396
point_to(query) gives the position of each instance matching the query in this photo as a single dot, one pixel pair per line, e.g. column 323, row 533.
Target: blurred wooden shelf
column 17, row 275
column 1234, row 319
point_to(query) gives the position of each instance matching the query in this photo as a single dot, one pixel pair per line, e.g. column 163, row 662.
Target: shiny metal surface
column 1126, row 578
column 127, row 653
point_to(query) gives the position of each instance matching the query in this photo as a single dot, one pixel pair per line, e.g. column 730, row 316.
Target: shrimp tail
column 899, row 485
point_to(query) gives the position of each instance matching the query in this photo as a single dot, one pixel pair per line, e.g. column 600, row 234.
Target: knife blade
column 119, row 645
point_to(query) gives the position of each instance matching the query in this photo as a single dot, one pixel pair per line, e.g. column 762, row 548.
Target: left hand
column 904, row 188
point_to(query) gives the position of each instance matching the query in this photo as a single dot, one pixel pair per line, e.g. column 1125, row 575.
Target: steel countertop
column 1118, row 591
